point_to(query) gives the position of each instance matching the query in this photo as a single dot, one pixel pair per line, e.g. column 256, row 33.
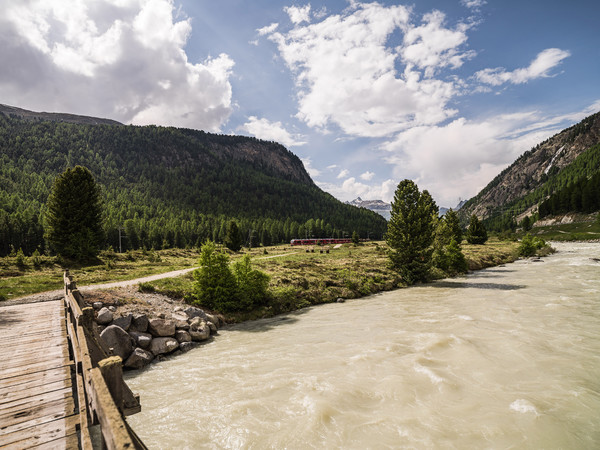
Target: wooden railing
column 103, row 397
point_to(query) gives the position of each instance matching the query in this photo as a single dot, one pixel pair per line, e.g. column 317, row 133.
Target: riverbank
column 299, row 278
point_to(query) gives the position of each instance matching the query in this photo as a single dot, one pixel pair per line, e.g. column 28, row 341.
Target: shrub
column 530, row 245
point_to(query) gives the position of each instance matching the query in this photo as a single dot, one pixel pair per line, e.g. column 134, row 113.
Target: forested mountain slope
column 567, row 159
column 166, row 186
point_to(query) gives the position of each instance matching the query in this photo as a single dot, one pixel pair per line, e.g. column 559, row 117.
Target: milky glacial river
column 507, row 357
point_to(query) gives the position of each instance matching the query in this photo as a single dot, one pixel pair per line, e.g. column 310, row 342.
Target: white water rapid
column 507, row 357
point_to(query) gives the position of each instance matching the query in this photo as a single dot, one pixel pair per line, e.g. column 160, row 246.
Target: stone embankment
column 139, row 339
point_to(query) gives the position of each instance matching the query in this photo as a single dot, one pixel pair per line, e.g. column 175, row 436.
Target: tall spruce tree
column 74, row 215
column 476, row 233
column 233, row 238
column 410, row 232
column 453, row 222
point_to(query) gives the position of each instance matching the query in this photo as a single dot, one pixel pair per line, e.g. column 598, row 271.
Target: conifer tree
column 453, row 223
column 74, row 215
column 476, row 233
column 410, row 232
column 233, row 238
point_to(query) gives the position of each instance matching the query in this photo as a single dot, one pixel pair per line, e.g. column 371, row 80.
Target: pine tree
column 233, row 238
column 453, row 222
column 410, row 232
column 74, row 215
column 476, row 233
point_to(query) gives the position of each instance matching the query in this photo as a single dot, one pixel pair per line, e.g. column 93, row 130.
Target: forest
column 166, row 187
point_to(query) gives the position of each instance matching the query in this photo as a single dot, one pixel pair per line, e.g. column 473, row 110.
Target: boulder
column 139, row 323
column 118, row 339
column 186, row 346
column 214, row 320
column 112, row 308
column 193, row 312
column 123, row 322
column 97, row 305
column 139, row 359
column 199, row 329
column 141, row 339
column 161, row 327
column 163, row 345
column 182, row 336
column 105, row 316
column 181, row 320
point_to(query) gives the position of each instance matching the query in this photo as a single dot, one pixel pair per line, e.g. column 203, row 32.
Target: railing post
column 112, row 372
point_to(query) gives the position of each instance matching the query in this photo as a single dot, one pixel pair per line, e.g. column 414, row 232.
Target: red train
column 320, row 241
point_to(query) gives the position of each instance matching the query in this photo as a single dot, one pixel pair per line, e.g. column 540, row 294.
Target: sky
column 444, row 92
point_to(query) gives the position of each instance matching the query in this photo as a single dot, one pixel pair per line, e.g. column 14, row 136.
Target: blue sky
column 446, row 93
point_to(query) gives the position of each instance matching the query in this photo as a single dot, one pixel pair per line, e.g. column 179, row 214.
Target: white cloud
column 473, row 4
column 367, row 176
column 312, row 171
column 351, row 188
column 120, row 59
column 539, row 68
column 298, row 14
column 346, row 76
column 271, row 131
column 343, row 173
column 268, row 29
column 333, row 166
column 460, row 158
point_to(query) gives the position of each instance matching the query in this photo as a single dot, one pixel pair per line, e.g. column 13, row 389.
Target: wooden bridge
column 59, row 385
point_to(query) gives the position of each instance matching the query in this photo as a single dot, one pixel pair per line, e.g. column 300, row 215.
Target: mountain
column 566, row 159
column 18, row 113
column 378, row 206
column 164, row 186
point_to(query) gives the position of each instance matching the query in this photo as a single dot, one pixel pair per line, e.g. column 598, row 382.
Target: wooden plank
column 26, row 391
column 43, row 414
column 56, row 329
column 41, row 434
column 36, row 355
column 33, row 379
column 33, row 368
column 34, row 401
column 60, row 443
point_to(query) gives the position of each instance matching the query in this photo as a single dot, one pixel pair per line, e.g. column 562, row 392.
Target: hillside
column 562, row 160
column 166, row 187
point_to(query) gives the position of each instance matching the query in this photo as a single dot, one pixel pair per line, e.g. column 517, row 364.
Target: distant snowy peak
column 378, row 206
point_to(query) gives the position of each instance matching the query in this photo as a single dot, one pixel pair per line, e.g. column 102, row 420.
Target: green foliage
column 215, row 286
column 167, row 187
column 455, row 259
column 526, row 223
column 74, row 215
column 453, row 222
column 219, row 288
column 411, row 231
column 233, row 239
column 476, row 233
column 21, row 264
column 146, row 287
column 530, row 245
column 252, row 285
column 355, row 238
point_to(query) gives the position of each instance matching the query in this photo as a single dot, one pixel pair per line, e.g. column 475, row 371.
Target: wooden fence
column 103, row 397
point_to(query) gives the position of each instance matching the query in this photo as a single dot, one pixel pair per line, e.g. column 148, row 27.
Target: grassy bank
column 301, row 278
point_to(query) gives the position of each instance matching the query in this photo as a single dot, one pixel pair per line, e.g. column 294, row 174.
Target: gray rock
column 212, row 327
column 199, row 329
column 105, row 316
column 193, row 312
column 97, row 305
column 183, row 336
column 141, row 339
column 123, row 322
column 118, row 339
column 340, row 300
column 186, row 346
column 139, row 323
column 112, row 308
column 161, row 327
column 178, row 308
column 181, row 320
column 214, row 320
column 163, row 345
column 139, row 359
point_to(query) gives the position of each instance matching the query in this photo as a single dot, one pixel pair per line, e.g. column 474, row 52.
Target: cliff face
column 533, row 168
column 13, row 111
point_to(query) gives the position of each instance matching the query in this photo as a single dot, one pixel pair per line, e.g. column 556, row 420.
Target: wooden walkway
column 37, row 402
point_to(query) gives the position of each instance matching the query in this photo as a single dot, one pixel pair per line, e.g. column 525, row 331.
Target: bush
column 146, row 287
column 531, row 245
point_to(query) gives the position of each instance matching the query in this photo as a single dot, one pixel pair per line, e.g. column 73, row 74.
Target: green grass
column 583, row 231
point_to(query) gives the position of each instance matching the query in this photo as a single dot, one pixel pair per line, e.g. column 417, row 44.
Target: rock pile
column 138, row 339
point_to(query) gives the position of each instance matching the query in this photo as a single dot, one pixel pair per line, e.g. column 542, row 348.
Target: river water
column 507, row 357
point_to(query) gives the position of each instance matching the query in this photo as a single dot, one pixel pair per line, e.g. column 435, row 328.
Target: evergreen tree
column 453, row 222
column 233, row 238
column 476, row 233
column 355, row 238
column 410, row 232
column 74, row 215
column 215, row 286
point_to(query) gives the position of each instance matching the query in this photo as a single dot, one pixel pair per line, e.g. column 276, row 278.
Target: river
column 507, row 357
